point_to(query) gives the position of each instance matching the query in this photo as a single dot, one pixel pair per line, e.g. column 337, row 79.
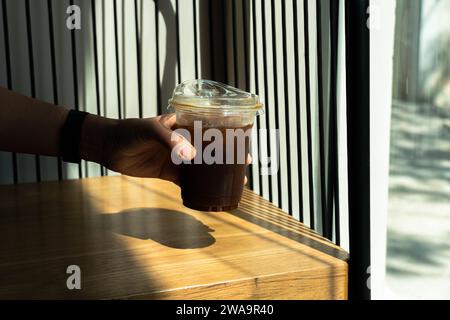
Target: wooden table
column 132, row 238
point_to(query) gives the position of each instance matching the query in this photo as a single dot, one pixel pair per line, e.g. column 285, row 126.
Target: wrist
column 96, row 132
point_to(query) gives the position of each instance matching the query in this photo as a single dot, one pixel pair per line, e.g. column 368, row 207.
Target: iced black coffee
column 217, row 119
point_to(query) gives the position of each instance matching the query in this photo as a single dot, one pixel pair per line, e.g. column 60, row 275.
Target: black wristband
column 70, row 136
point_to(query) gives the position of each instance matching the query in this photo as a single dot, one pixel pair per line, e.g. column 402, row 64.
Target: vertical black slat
column 225, row 39
column 298, row 114
column 194, row 5
column 235, row 62
column 138, row 56
column 235, row 58
column 75, row 78
column 235, row 55
column 275, row 91
column 124, row 64
column 246, row 44
column 158, row 83
column 326, row 219
column 211, row 46
column 333, row 172
column 104, row 57
column 7, row 53
column 32, row 76
column 141, row 41
column 97, row 82
column 53, row 62
column 288, row 127
column 8, row 78
column 94, row 31
column 116, row 40
column 177, row 34
column 255, row 58
column 358, row 144
column 246, row 70
column 308, row 115
column 263, row 14
column 218, row 14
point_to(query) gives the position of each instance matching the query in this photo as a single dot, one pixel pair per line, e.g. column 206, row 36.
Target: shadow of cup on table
column 170, row 228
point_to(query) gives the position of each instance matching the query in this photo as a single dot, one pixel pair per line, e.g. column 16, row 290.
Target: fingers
column 176, row 142
column 167, row 120
column 249, row 159
column 181, row 147
column 172, row 140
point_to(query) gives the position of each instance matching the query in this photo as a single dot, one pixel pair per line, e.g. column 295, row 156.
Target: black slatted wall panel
column 291, row 53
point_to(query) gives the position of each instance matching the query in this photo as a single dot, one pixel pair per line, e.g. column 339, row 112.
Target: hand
column 136, row 147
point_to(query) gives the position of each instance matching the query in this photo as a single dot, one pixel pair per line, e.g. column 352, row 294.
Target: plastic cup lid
column 211, row 96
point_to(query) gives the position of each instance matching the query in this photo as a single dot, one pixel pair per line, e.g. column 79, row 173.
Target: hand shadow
column 170, row 228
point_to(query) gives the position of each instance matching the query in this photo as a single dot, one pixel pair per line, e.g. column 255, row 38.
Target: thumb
column 181, row 147
column 176, row 142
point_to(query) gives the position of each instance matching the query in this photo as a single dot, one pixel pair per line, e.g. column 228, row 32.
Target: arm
column 136, row 147
column 31, row 126
column 28, row 125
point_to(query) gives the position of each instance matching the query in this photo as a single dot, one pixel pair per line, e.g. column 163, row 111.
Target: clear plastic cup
column 217, row 119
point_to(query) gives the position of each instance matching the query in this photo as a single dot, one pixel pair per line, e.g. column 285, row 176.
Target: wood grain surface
column 132, row 238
